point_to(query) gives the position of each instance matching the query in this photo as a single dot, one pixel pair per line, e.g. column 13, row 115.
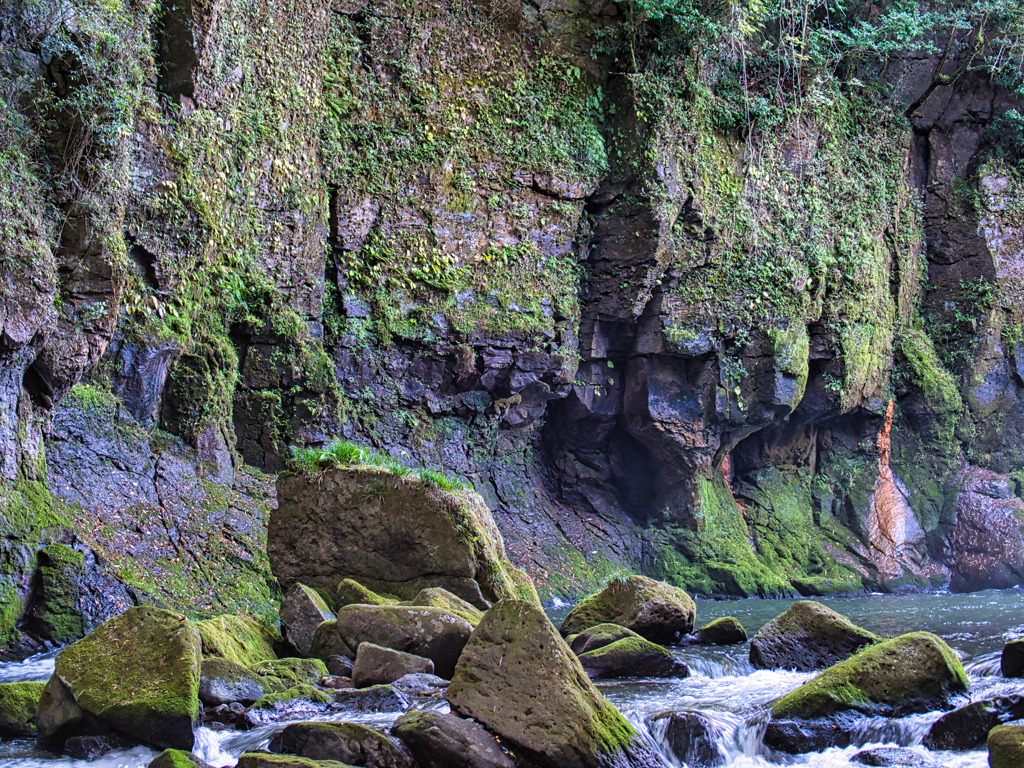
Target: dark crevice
column 37, row 383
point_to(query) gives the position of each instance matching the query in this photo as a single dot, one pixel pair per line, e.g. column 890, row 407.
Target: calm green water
column 722, row 683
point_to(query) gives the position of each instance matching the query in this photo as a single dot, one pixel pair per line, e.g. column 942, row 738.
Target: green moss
column 18, row 705
column 291, row 672
column 60, row 569
column 238, row 639
column 304, row 692
column 441, row 598
column 350, row 592
column 175, row 758
column 918, row 668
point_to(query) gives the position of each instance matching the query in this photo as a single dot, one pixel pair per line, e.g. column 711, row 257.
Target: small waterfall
column 986, row 665
column 904, row 731
column 38, row 667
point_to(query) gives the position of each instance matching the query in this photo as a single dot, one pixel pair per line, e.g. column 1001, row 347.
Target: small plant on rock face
column 442, row 480
column 619, row 578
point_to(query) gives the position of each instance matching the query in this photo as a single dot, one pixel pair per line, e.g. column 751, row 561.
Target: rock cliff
column 753, row 331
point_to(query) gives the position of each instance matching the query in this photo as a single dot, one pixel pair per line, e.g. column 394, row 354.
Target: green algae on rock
column 176, row 758
column 389, row 529
column 519, row 679
column 654, row 610
column 266, row 760
column 917, row 672
column 632, row 657
column 726, row 630
column 238, row 639
column 350, row 591
column 435, row 597
column 137, row 674
column 1006, row 746
column 598, row 636
column 807, row 636
column 18, row 705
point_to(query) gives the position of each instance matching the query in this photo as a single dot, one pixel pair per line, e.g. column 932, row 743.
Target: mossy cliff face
column 654, row 309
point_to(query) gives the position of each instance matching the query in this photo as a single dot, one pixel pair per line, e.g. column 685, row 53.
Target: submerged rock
column 18, row 705
column 598, row 637
column 429, row 632
column 351, row 743
column 807, row 637
column 724, row 631
column 238, row 639
column 693, row 737
column 654, row 610
column 968, row 726
column 1011, row 663
column 896, row 757
column 404, row 537
column 912, row 673
column 302, row 611
column 632, row 657
column 440, row 740
column 137, row 674
column 375, row 665
column 1006, row 746
column 519, row 679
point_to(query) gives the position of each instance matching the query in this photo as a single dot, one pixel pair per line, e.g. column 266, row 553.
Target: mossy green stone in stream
column 304, row 691
column 917, row 672
column 176, row 758
column 1006, row 746
column 807, row 636
column 267, row 760
column 291, row 671
column 597, row 637
column 138, row 674
column 350, row 592
column 435, row 597
column 654, row 610
column 726, row 630
column 18, row 705
column 238, row 639
column 632, row 657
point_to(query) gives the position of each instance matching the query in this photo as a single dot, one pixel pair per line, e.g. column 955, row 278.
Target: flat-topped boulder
column 806, row 637
column 917, row 672
column 519, row 679
column 654, row 610
column 391, row 532
column 137, row 674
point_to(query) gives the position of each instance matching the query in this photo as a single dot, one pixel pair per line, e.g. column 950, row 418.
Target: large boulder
column 724, row 631
column 632, row 657
column 238, row 639
column 692, row 737
column 429, row 632
column 351, row 743
column 302, row 611
column 598, row 637
column 520, row 680
column 137, row 674
column 654, row 610
column 987, row 540
column 1011, row 663
column 911, row 673
column 18, row 705
column 1006, row 746
column 405, row 536
column 376, row 665
column 807, row 637
column 435, row 597
column 442, row 740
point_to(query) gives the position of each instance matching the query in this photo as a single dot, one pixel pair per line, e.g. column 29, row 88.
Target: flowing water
column 722, row 684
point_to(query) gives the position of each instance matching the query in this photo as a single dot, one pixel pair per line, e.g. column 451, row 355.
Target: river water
column 722, row 684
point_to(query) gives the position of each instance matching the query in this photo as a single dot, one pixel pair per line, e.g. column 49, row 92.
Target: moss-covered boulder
column 57, row 615
column 18, row 705
column 911, row 673
column 350, row 743
column 598, row 637
column 351, row 592
column 435, row 597
column 268, row 760
column 724, row 631
column 238, row 639
column 432, row 633
column 302, row 611
column 654, row 610
column 137, row 674
column 632, row 657
column 405, row 536
column 806, row 637
column 279, row 674
column 222, row 682
column 444, row 740
column 1011, row 663
column 519, row 679
column 299, row 701
column 1006, row 746
column 177, row 758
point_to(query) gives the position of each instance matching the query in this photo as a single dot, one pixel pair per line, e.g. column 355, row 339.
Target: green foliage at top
column 341, row 453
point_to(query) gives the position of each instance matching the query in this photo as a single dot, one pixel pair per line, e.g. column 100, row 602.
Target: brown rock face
column 988, row 542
